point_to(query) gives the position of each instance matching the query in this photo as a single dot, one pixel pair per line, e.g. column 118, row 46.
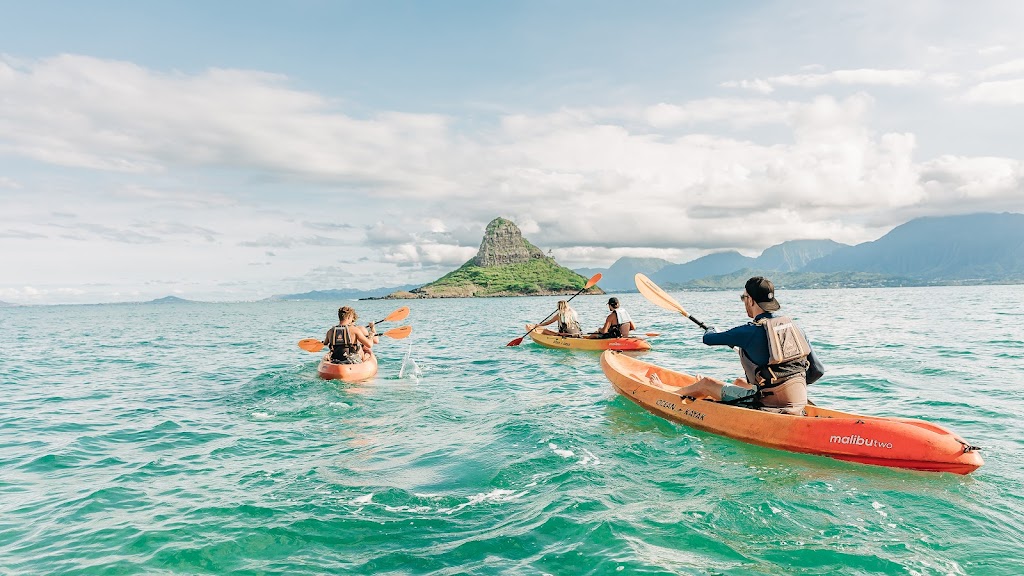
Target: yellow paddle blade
column 398, row 333
column 593, row 280
column 397, row 315
column 656, row 295
column 311, row 345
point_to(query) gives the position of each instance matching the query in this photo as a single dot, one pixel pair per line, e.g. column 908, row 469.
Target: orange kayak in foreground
column 572, row 343
column 347, row 372
column 881, row 441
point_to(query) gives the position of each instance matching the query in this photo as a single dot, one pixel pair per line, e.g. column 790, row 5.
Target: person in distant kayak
column 349, row 343
column 618, row 323
column 777, row 359
column 568, row 321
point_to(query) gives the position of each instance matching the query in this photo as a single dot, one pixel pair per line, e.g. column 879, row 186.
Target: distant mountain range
column 619, row 277
column 971, row 249
column 4, row 304
column 979, row 247
column 343, row 294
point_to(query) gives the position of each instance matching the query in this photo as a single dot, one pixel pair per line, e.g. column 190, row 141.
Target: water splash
column 409, row 366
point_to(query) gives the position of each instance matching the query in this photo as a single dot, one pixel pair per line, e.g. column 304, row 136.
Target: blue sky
column 234, row 150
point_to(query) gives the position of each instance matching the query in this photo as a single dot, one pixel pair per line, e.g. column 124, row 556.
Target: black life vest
column 345, row 349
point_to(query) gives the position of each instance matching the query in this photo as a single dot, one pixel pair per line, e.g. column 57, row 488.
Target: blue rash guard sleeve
column 748, row 337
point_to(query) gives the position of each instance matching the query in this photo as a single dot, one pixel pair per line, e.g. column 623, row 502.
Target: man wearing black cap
column 618, row 323
column 776, row 357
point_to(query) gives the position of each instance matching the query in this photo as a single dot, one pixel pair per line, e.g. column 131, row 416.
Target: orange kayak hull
column 348, row 372
column 880, row 441
column 599, row 344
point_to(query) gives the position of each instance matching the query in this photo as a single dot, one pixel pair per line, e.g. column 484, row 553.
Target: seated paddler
column 568, row 321
column 776, row 357
column 349, row 343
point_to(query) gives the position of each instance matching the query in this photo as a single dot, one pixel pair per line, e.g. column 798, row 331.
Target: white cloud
column 1005, row 92
column 861, row 77
column 1011, row 67
column 958, row 180
column 737, row 112
column 150, row 201
column 990, row 50
column 116, row 116
column 428, row 254
column 755, row 85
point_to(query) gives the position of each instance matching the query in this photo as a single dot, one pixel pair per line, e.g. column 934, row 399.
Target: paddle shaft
column 697, row 322
column 399, row 314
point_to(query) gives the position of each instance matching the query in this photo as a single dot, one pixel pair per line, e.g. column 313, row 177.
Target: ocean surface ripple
column 197, row 438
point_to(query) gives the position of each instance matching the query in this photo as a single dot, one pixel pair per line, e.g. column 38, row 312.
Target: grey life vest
column 787, row 354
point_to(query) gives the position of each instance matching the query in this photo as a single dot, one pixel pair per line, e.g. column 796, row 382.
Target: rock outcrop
column 504, row 244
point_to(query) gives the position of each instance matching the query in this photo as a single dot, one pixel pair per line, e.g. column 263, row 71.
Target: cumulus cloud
column 856, row 77
column 286, row 241
column 738, row 112
column 978, row 182
column 428, row 254
column 86, row 112
column 1004, row 69
column 385, row 234
column 670, row 179
column 1005, row 92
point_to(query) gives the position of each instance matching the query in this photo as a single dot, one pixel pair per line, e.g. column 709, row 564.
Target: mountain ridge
column 980, row 248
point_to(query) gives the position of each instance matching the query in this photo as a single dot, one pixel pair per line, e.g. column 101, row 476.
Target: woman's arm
column 550, row 319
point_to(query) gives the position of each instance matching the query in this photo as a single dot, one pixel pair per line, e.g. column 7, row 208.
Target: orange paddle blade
column 398, row 333
column 593, row 280
column 656, row 295
column 515, row 342
column 311, row 345
column 397, row 315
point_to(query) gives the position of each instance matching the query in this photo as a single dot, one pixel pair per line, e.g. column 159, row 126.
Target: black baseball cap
column 762, row 291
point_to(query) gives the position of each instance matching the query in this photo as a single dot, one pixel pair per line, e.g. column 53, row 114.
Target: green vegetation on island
column 536, row 276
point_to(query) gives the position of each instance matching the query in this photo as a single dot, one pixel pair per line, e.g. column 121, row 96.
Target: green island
column 506, row 265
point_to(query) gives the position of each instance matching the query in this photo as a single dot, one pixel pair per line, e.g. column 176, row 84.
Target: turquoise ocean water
column 197, row 438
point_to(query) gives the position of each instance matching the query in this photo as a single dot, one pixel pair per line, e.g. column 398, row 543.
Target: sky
column 234, row 150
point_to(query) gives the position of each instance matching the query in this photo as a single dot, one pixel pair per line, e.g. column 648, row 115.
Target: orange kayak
column 572, row 343
column 882, row 441
column 347, row 372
